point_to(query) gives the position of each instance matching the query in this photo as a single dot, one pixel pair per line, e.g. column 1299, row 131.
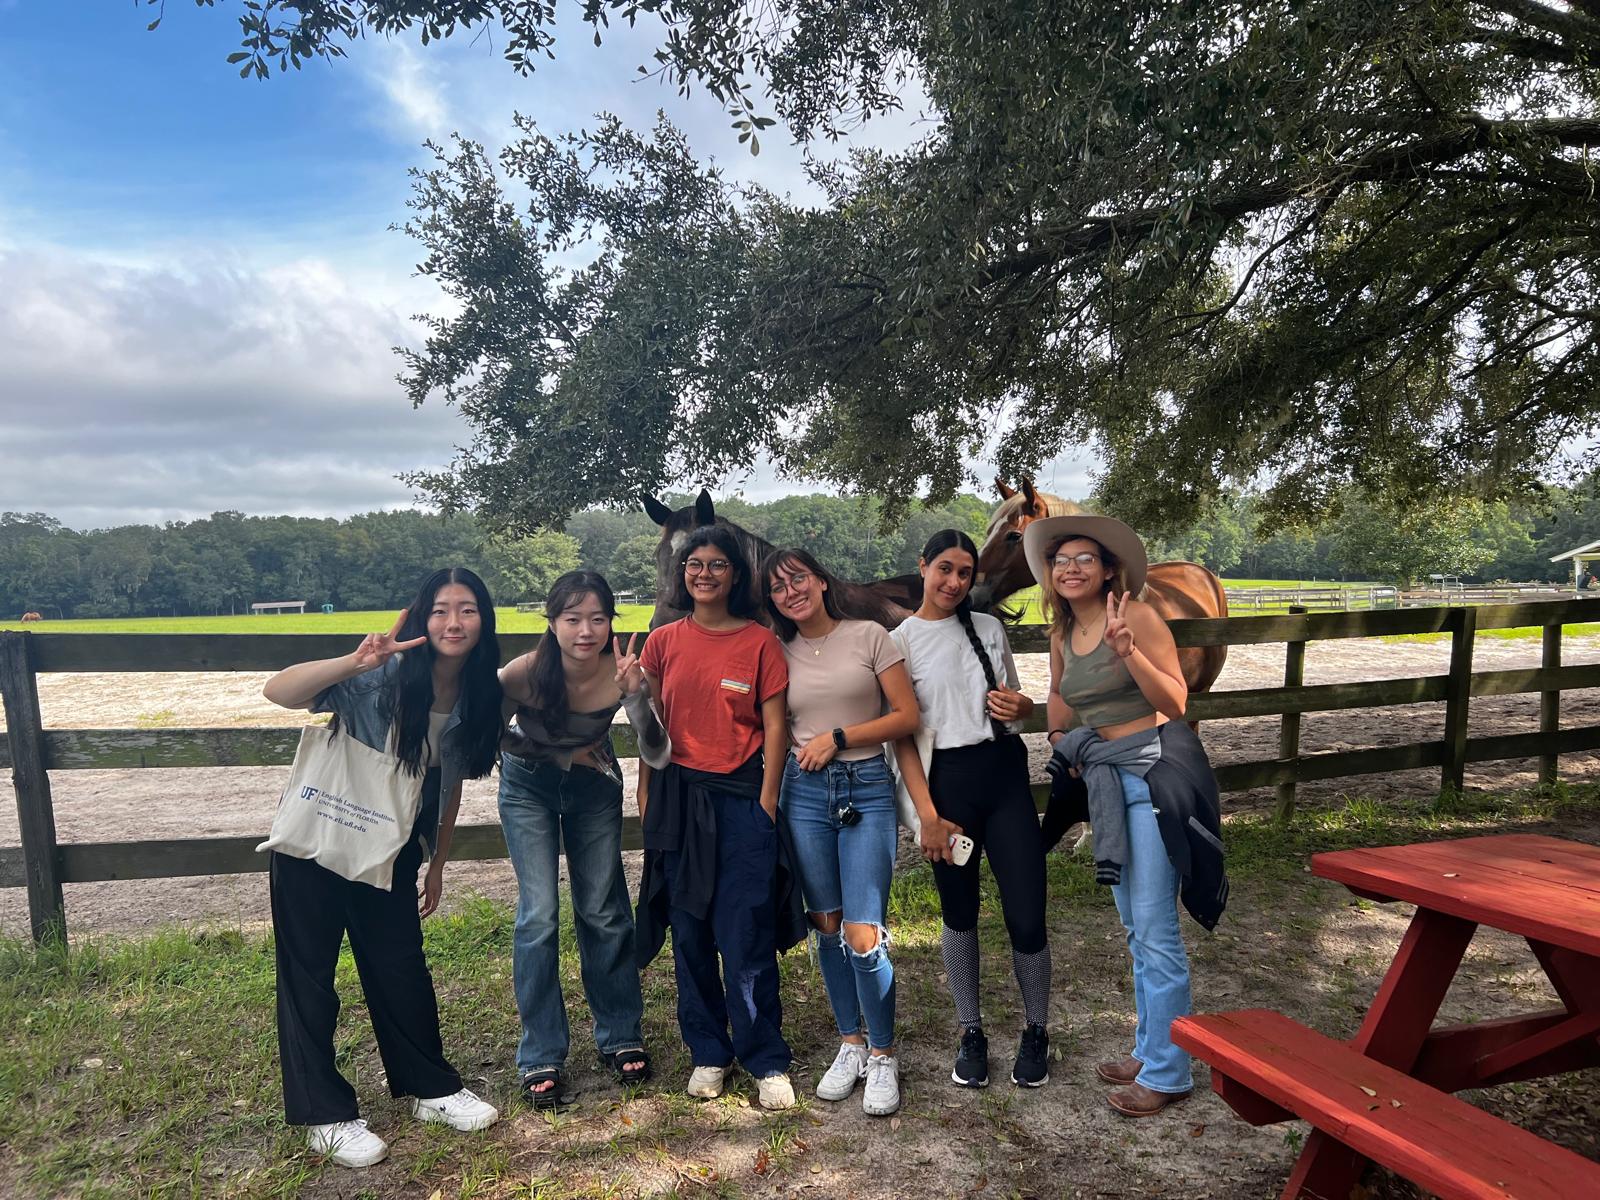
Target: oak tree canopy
column 1303, row 244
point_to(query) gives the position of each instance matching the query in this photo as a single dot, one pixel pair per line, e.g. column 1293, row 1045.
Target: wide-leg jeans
column 1147, row 902
column 543, row 808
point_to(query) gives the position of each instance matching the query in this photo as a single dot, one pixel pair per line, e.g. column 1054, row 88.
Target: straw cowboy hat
column 1111, row 533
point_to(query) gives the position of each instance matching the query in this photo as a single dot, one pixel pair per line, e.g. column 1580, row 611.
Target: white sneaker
column 463, row 1111
column 849, row 1068
column 881, row 1096
column 775, row 1091
column 348, row 1143
column 705, row 1083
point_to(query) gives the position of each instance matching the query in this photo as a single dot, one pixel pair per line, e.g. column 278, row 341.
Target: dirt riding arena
column 127, row 805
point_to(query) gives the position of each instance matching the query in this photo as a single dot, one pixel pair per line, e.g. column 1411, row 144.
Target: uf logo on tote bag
column 347, row 807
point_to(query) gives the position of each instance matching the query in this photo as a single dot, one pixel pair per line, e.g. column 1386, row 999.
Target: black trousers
column 312, row 910
column 984, row 789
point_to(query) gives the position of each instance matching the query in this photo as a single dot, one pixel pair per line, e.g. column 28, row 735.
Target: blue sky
column 199, row 288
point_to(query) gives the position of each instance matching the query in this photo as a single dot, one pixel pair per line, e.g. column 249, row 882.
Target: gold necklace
column 1096, row 626
column 816, row 647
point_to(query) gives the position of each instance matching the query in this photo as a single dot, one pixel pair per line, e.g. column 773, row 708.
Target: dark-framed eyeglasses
column 798, row 582
column 717, row 566
column 1082, row 561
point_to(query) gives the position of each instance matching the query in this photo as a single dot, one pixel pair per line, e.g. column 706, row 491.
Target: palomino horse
column 1173, row 589
column 887, row 602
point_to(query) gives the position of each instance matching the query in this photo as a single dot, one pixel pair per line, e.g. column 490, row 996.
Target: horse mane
column 1009, row 507
column 1012, row 506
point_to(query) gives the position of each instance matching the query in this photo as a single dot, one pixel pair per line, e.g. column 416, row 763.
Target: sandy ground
column 212, row 802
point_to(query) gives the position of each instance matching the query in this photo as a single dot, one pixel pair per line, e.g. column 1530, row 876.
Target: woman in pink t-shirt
column 849, row 693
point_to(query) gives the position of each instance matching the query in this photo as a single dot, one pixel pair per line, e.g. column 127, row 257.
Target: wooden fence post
column 1457, row 696
column 1550, row 702
column 35, row 814
column 1294, row 672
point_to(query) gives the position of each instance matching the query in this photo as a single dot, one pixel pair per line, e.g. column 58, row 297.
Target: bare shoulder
column 1139, row 612
column 516, row 674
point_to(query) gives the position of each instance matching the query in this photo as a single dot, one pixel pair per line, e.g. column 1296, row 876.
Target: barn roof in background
column 1591, row 550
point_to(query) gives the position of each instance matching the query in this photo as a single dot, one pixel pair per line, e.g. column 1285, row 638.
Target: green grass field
column 507, row 620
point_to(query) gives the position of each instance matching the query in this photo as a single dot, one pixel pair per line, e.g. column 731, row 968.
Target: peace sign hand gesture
column 378, row 648
column 1118, row 636
column 630, row 675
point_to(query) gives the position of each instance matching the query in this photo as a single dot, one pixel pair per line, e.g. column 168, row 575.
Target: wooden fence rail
column 42, row 865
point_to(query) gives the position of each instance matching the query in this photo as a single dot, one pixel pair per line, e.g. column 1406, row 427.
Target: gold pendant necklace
column 816, row 647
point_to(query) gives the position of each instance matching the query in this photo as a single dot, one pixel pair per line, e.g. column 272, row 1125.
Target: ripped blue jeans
column 846, row 869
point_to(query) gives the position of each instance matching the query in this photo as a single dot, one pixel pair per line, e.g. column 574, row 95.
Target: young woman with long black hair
column 976, row 785
column 848, row 694
column 428, row 690
column 711, row 819
column 561, row 785
column 1117, row 699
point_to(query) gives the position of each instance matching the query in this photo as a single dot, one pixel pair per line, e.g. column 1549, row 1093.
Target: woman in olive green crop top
column 1114, row 668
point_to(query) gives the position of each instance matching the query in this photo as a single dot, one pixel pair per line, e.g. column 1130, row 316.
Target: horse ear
column 657, row 511
column 1005, row 490
column 1029, row 496
column 705, row 513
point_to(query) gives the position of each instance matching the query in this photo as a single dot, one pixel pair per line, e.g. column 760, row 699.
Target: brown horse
column 1174, row 589
column 32, row 616
column 887, row 602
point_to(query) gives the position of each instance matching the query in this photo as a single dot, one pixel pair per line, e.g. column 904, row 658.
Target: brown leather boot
column 1124, row 1070
column 1136, row 1100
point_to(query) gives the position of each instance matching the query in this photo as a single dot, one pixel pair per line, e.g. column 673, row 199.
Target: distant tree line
column 224, row 562
column 1367, row 538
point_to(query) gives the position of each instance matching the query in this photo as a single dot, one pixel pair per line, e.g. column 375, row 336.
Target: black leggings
column 984, row 789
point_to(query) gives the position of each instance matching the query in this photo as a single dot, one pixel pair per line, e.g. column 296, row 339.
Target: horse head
column 1002, row 569
column 675, row 530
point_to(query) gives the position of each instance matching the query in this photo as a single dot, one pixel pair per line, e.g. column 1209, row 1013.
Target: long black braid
column 948, row 539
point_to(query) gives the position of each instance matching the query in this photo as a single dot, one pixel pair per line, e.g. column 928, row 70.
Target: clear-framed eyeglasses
column 798, row 582
column 1082, row 561
column 717, row 566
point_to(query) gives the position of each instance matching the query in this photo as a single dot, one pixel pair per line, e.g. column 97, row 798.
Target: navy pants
column 734, row 1012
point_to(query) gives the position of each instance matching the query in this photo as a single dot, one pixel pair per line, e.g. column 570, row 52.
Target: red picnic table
column 1385, row 1094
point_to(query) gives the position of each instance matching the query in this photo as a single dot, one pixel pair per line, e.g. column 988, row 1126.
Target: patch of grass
column 507, row 620
column 149, row 1067
column 1522, row 634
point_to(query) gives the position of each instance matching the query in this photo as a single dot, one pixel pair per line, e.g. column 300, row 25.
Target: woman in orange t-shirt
column 710, row 818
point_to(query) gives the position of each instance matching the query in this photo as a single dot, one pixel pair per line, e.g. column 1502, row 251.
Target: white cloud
column 155, row 393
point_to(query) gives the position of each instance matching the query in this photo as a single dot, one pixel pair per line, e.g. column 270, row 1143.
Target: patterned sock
column 960, row 951
column 1033, row 977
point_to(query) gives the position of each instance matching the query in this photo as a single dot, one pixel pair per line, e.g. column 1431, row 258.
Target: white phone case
column 960, row 849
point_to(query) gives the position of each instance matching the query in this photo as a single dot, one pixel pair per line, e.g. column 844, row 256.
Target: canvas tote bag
column 347, row 807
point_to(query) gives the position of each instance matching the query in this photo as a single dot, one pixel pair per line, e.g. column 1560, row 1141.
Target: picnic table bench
column 1269, row 1068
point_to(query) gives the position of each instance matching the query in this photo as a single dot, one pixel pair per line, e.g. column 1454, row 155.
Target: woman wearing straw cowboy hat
column 1116, row 705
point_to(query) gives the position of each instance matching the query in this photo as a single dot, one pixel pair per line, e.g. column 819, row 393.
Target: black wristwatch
column 839, row 740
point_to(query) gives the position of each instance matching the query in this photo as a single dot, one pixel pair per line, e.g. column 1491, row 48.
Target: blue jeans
column 1147, row 902
column 542, row 807
column 739, row 993
column 846, row 869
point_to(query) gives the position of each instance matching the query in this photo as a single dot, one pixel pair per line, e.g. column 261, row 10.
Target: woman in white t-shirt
column 848, row 694
column 976, row 784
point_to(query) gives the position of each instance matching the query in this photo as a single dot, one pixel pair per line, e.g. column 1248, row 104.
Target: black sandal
column 558, row 1096
column 618, row 1061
